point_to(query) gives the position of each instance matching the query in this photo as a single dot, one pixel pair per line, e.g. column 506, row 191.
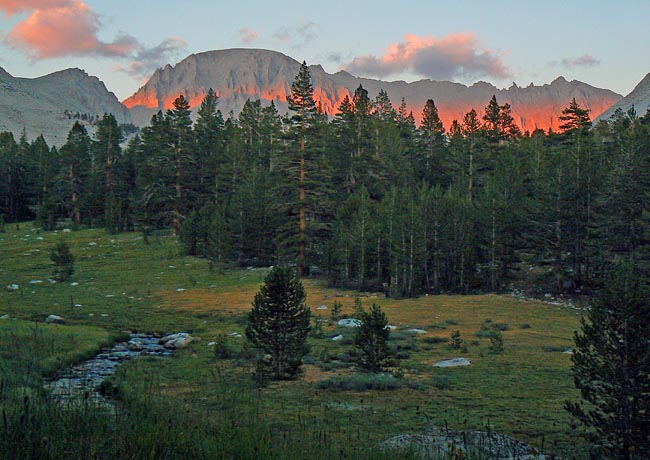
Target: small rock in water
column 349, row 322
column 54, row 319
column 174, row 341
column 454, row 362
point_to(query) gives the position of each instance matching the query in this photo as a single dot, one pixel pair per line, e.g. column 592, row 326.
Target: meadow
column 197, row 404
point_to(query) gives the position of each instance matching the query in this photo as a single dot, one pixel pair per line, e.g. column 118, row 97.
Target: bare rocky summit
column 240, row 74
column 49, row 105
column 639, row 98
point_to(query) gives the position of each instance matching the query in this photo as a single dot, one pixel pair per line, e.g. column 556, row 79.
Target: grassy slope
column 126, row 285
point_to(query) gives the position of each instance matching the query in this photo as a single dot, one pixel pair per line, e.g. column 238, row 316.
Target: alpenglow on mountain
column 240, row 74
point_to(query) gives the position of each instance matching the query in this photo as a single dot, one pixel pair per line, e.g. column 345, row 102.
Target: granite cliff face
column 49, row 105
column 240, row 74
column 639, row 98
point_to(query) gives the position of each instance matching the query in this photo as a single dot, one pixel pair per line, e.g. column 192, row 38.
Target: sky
column 604, row 43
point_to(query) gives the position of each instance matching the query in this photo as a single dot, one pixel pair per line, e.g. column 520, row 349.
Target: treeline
column 369, row 198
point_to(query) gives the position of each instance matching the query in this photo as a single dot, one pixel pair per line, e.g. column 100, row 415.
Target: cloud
column 282, row 34
column 586, row 60
column 59, row 28
column 11, row 7
column 302, row 34
column 147, row 60
column 62, row 28
column 457, row 55
column 247, row 36
column 307, row 31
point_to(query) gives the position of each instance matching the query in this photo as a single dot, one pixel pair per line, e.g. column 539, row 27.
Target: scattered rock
column 390, row 327
column 212, row 344
column 35, row 281
column 454, row 362
column 337, row 338
column 235, row 335
column 74, row 283
column 321, row 307
column 416, row 331
column 443, row 443
column 77, row 305
column 92, row 243
column 50, row 280
column 54, row 319
column 180, row 290
column 567, row 352
column 66, row 230
column 349, row 322
column 174, row 341
column 13, row 287
column 5, row 317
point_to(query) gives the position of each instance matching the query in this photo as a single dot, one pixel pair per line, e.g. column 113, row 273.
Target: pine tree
column 611, row 365
column 278, row 324
column 371, row 339
column 301, row 102
column 63, row 261
column 574, row 118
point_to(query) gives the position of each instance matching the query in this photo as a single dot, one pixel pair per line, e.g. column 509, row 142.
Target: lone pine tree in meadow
column 278, row 324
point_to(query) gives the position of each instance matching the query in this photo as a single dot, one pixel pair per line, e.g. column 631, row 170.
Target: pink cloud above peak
column 11, row 7
column 456, row 55
column 62, row 28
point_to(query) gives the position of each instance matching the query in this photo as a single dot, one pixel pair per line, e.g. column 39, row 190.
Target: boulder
column 175, row 341
column 337, row 338
column 349, row 322
column 444, row 443
column 454, row 362
column 54, row 319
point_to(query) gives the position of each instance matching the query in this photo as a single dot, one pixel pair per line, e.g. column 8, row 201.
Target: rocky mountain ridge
column 240, row 74
column 639, row 98
column 50, row 105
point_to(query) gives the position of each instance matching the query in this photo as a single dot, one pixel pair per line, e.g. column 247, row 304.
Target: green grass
column 125, row 285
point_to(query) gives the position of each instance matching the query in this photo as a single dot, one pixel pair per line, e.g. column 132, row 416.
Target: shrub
column 336, row 310
column 496, row 342
column 371, row 339
column 361, row 382
column 63, row 261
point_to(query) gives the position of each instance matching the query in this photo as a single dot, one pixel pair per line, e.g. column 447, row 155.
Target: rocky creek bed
column 82, row 380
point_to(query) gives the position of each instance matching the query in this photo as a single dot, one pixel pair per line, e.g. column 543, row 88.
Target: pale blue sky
column 603, row 43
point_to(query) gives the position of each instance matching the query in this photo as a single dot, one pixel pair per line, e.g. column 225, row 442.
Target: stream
column 82, row 380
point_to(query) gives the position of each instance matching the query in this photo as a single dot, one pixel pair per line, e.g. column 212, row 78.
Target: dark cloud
column 457, row 55
column 586, row 60
column 147, row 60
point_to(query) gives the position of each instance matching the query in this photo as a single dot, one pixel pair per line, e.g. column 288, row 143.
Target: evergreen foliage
column 63, row 260
column 611, row 366
column 278, row 324
column 371, row 339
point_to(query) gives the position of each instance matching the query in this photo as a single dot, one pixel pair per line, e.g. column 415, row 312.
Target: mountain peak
column 238, row 74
